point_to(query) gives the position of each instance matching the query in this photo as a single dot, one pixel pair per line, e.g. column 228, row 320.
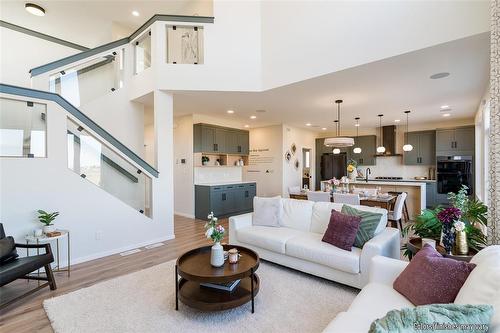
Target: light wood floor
column 28, row 315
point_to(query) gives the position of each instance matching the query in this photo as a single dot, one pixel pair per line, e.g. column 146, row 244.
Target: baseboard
column 117, row 250
column 189, row 216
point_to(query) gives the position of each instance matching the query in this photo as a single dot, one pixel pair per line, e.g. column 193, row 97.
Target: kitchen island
column 416, row 200
column 224, row 198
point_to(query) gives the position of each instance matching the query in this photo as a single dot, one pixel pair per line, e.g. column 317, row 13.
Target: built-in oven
column 453, row 172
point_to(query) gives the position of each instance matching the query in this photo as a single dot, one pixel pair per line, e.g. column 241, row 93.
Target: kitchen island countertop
column 225, row 183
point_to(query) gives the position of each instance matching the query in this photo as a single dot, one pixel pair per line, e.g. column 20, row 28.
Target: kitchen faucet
column 368, row 171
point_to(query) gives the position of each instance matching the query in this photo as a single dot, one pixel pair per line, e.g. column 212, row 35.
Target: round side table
column 44, row 239
column 415, row 245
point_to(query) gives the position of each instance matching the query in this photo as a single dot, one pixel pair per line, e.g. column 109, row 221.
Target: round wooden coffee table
column 194, row 268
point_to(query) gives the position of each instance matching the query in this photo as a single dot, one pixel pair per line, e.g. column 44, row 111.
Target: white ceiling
column 90, row 22
column 389, row 86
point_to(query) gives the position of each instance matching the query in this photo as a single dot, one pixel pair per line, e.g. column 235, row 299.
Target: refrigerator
column 333, row 165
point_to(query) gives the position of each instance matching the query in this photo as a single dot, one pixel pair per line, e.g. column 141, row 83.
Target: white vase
column 49, row 228
column 217, row 255
column 353, row 175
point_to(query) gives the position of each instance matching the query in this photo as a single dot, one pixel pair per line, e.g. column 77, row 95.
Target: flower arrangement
column 214, row 230
column 334, row 182
column 471, row 212
column 351, row 165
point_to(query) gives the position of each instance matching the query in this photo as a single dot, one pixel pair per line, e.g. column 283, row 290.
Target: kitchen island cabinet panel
column 224, row 200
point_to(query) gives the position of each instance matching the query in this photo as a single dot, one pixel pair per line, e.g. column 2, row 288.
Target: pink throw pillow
column 430, row 278
column 342, row 230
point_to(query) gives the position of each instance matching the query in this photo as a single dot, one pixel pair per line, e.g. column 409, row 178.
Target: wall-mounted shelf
column 226, row 160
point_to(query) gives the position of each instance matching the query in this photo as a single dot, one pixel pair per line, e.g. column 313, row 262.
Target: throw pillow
column 267, row 211
column 7, row 249
column 341, row 230
column 369, row 223
column 429, row 278
column 452, row 317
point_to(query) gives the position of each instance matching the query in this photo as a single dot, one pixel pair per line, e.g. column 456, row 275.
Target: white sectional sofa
column 378, row 297
column 297, row 242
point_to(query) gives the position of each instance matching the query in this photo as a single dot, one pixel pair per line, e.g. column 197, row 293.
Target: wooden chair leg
column 405, row 213
column 401, row 224
column 50, row 277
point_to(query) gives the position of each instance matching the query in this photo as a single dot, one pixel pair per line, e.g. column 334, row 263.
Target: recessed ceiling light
column 247, row 126
column 253, row 117
column 439, row 75
column 34, row 9
column 445, row 107
column 446, row 114
column 324, row 128
column 308, row 124
column 135, row 13
column 230, row 111
column 397, row 120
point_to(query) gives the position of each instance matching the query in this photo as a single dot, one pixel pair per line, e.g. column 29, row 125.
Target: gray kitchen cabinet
column 424, row 151
column 224, row 200
column 213, row 139
column 456, row 141
column 367, row 143
column 430, row 194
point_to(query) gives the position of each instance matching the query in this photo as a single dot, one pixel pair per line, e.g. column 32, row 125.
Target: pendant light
column 336, row 151
column 357, row 150
column 407, row 146
column 380, row 148
column 338, row 141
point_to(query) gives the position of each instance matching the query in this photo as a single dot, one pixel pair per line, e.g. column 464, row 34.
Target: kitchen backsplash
column 394, row 167
column 214, row 174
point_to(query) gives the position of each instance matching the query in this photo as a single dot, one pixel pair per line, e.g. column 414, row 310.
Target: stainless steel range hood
column 389, row 135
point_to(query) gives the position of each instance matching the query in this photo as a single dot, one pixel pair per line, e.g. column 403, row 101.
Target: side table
column 415, row 245
column 44, row 239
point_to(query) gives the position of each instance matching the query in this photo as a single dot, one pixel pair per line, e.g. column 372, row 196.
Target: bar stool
column 405, row 208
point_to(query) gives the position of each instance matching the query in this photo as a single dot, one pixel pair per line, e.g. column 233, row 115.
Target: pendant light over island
column 338, row 141
column 380, row 148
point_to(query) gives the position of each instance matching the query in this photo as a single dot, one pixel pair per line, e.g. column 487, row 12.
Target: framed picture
column 288, row 156
column 293, row 148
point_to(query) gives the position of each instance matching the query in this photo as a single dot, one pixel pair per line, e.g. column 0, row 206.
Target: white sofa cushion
column 272, row 239
column 483, row 284
column 267, row 211
column 297, row 214
column 308, row 246
column 321, row 215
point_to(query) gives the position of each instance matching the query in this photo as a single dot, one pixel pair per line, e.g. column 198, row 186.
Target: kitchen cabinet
column 456, row 141
column 224, row 200
column 424, row 148
column 211, row 139
column 430, row 194
column 367, row 143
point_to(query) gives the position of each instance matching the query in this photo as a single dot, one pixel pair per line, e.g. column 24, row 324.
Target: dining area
column 393, row 202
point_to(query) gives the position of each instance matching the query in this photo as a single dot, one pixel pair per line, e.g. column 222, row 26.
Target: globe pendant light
column 407, row 146
column 380, row 148
column 338, row 141
column 357, row 150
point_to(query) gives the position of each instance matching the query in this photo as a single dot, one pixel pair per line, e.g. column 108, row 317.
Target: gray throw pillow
column 367, row 227
column 7, row 249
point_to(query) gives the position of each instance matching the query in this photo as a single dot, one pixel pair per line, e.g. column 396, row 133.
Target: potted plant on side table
column 448, row 225
column 47, row 219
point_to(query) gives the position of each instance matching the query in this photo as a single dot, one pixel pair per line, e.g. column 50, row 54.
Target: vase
column 49, row 228
column 217, row 255
column 461, row 246
column 448, row 237
column 353, row 175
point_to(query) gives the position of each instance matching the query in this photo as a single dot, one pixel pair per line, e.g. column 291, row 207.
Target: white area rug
column 288, row 301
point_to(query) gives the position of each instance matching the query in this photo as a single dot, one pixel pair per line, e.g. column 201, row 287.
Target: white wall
column 100, row 224
column 304, row 39
column 20, row 52
column 302, row 139
column 183, row 173
column 265, row 161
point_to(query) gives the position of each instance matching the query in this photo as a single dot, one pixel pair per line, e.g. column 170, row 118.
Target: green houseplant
column 47, row 219
column 205, row 160
column 474, row 215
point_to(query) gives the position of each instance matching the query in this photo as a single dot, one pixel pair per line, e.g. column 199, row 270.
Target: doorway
column 306, row 168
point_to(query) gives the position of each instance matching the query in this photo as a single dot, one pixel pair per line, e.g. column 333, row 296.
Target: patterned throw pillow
column 341, row 230
column 369, row 223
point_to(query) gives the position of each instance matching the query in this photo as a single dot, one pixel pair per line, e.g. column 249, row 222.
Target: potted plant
column 472, row 213
column 215, row 231
column 205, row 160
column 47, row 219
column 351, row 169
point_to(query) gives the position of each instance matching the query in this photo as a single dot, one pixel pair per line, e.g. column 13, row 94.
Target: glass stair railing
column 92, row 153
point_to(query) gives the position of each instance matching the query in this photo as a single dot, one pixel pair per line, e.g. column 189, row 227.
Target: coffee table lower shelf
column 209, row 299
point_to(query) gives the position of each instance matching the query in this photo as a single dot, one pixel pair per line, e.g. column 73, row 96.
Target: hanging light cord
column 338, row 117
column 407, row 127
